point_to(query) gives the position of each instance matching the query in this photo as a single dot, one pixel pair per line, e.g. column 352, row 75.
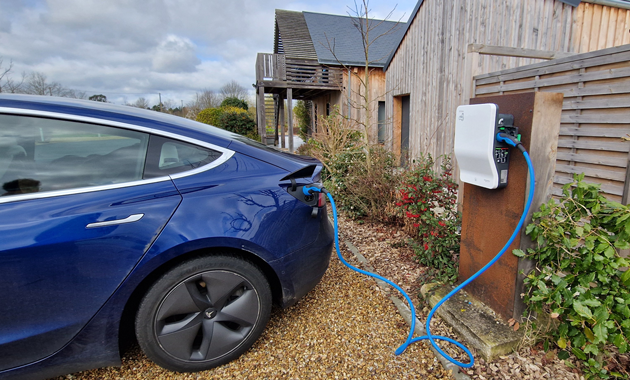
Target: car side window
column 40, row 154
column 167, row 156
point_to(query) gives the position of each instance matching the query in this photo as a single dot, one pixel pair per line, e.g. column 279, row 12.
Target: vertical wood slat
column 594, row 123
column 436, row 72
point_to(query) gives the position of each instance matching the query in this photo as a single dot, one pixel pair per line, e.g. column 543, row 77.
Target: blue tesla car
column 119, row 223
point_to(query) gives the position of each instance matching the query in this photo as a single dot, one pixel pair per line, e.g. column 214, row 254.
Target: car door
column 76, row 216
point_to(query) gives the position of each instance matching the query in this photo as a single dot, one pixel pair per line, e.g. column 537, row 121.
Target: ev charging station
column 494, row 185
column 494, row 214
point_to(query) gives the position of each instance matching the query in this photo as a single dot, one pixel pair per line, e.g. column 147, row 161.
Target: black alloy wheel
column 203, row 313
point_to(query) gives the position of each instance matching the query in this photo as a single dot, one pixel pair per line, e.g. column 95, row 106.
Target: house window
column 381, row 122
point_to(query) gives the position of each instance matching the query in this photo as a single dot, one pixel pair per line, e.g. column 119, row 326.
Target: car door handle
column 129, row 219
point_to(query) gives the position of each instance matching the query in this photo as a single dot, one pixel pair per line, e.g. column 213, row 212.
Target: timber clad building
column 452, row 50
column 320, row 58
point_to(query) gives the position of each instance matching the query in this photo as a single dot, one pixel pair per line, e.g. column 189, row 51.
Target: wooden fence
column 595, row 121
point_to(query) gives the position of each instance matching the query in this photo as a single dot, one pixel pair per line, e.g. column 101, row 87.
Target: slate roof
column 314, row 35
column 292, row 37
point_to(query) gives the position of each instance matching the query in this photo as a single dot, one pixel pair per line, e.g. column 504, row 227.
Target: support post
column 290, row 113
column 260, row 110
column 276, row 121
column 281, row 110
column 490, row 216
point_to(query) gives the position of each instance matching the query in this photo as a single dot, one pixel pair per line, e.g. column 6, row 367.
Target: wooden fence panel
column 595, row 117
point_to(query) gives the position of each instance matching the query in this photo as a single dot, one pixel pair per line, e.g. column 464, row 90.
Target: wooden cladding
column 595, row 118
column 276, row 70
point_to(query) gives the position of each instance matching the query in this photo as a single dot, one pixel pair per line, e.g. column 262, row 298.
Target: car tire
column 203, row 313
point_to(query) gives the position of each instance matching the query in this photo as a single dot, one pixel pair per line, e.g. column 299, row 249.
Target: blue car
column 117, row 222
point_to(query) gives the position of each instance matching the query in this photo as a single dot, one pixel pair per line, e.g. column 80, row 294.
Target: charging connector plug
column 311, row 190
column 510, row 140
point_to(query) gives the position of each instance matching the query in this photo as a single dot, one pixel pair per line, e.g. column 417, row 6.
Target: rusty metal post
column 490, row 216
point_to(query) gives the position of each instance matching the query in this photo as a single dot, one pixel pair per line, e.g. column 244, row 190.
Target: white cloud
column 127, row 49
column 175, row 55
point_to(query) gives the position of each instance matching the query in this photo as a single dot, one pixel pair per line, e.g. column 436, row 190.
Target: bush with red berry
column 428, row 204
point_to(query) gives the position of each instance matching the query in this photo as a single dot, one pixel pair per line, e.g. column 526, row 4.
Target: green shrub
column 581, row 282
column 303, row 118
column 360, row 189
column 237, row 120
column 428, row 204
column 234, row 102
column 210, row 116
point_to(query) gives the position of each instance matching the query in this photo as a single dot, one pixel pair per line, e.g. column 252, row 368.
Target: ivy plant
column 580, row 279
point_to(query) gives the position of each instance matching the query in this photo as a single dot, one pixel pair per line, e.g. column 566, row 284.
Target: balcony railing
column 276, row 70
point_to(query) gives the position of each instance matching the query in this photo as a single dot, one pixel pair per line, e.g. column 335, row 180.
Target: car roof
column 155, row 120
column 119, row 113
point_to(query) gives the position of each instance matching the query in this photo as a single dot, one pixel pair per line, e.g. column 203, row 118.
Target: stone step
column 475, row 322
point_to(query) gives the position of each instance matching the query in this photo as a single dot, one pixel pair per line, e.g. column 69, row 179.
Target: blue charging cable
column 432, row 338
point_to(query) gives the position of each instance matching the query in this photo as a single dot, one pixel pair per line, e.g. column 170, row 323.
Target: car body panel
column 65, row 271
column 239, row 204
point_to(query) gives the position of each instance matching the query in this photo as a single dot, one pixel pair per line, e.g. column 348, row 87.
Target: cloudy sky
column 126, row 49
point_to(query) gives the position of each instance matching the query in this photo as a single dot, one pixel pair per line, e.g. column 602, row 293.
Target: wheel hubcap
column 210, row 313
column 206, row 316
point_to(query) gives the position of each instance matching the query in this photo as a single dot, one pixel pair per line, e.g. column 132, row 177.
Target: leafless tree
column 370, row 31
column 38, row 84
column 233, row 90
column 205, row 99
column 140, row 103
column 4, row 73
column 208, row 99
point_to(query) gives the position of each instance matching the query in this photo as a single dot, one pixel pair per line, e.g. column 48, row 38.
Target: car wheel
column 203, row 313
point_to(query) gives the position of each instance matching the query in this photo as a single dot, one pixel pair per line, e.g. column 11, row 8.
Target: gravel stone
column 345, row 328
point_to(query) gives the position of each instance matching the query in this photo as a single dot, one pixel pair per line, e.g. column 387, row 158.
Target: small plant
column 580, row 280
column 428, row 204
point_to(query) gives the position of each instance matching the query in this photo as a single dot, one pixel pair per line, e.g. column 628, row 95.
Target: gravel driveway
column 345, row 328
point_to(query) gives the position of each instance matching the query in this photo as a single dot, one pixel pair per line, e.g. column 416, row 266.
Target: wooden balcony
column 307, row 78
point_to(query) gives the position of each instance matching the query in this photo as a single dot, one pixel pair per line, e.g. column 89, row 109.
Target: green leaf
column 625, row 216
column 622, row 244
column 518, row 253
column 610, row 251
column 563, row 355
column 592, row 302
column 579, row 340
column 618, row 340
column 579, row 231
column 601, row 333
column 591, row 349
column 579, row 353
column 562, row 343
column 589, row 334
column 529, row 228
column 625, row 278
